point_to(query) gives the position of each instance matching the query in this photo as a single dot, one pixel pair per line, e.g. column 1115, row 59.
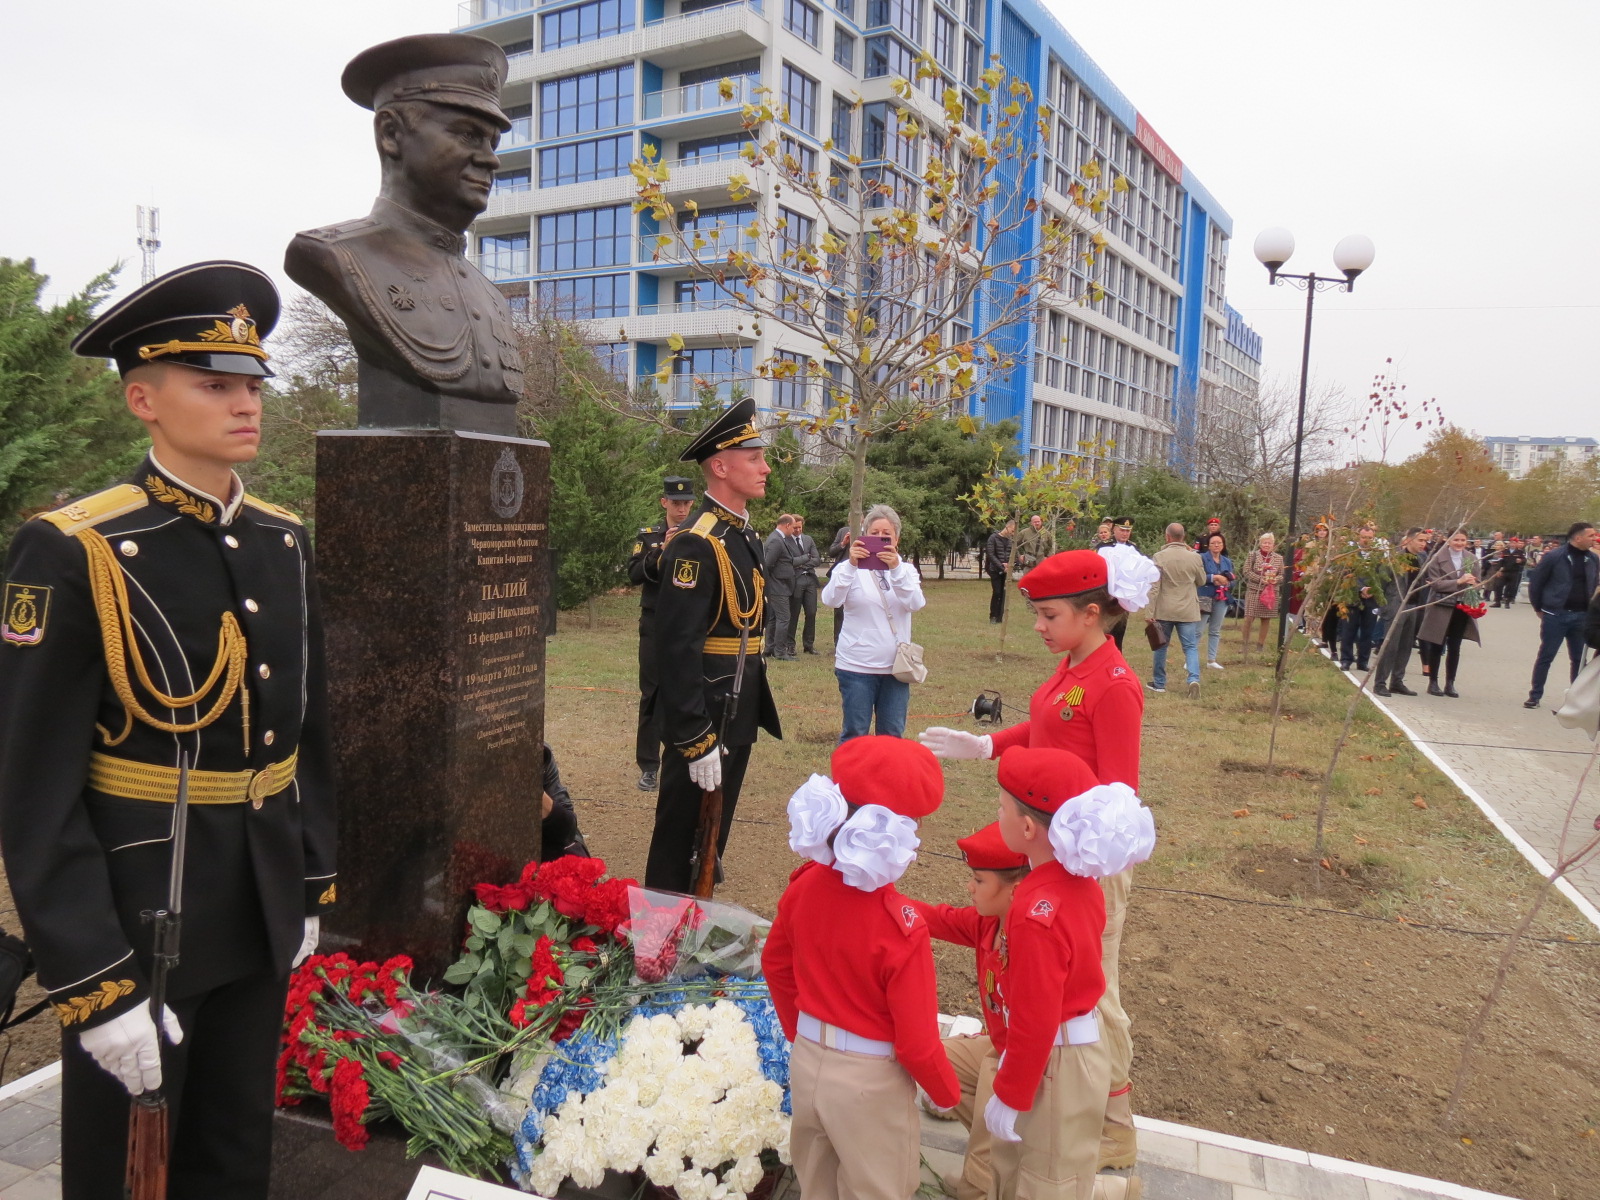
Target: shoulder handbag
column 1155, row 633
column 908, row 666
column 1581, row 708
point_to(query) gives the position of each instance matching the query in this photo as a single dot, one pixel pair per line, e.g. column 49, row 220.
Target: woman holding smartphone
column 877, row 591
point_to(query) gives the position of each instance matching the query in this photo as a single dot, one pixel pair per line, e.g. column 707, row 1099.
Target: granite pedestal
column 432, row 553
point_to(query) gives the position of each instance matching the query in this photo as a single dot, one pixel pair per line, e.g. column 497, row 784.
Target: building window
column 612, row 358
column 513, row 181
column 804, row 156
column 579, row 103
column 944, row 41
column 880, row 137
column 714, row 148
column 712, row 360
column 844, row 48
column 790, row 391
column 504, row 256
column 586, row 296
column 717, row 72
column 800, row 19
column 796, row 231
column 585, row 23
column 579, row 162
column 904, row 15
column 589, row 237
column 890, row 56
column 971, row 61
column 800, row 98
column 521, row 131
column 844, row 119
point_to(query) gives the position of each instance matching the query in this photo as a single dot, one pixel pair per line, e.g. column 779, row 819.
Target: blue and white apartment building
column 593, row 82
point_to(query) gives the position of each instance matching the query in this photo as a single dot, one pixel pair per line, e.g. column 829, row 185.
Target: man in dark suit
column 708, row 619
column 169, row 616
column 433, row 335
column 644, row 570
column 778, row 560
column 1559, row 589
column 806, row 561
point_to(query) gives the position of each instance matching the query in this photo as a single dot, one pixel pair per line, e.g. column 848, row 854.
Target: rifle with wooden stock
column 146, row 1177
column 703, row 865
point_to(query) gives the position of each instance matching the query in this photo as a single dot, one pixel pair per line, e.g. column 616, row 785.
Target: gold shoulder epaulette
column 276, row 510
column 74, row 518
column 704, row 526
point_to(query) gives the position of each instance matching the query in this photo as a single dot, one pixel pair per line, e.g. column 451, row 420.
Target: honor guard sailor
column 708, row 611
column 170, row 614
column 644, row 570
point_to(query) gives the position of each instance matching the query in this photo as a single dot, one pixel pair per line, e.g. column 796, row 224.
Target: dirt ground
column 1313, row 1007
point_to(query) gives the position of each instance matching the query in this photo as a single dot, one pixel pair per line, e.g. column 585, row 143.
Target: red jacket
column 1106, row 715
column 964, row 927
column 862, row 961
column 1053, row 930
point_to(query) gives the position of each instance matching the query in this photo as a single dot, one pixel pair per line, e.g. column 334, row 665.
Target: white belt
column 1080, row 1031
column 834, row 1038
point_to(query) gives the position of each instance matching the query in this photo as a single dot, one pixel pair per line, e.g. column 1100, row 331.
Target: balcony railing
column 716, row 249
column 504, row 264
column 752, row 5
column 475, row 12
column 687, row 389
column 700, row 160
column 680, row 307
column 520, row 134
column 700, row 98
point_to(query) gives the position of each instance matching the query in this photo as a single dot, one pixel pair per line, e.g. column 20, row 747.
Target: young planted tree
column 900, row 266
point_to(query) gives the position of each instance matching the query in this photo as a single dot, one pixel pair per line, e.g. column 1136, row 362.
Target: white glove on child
column 706, row 772
column 1001, row 1119
column 308, row 944
column 956, row 743
column 926, row 1104
column 129, row 1048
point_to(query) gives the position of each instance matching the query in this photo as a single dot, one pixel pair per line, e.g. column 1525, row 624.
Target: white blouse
column 877, row 614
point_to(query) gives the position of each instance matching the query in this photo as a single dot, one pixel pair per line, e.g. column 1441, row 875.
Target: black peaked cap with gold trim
column 456, row 69
column 735, row 429
column 210, row 315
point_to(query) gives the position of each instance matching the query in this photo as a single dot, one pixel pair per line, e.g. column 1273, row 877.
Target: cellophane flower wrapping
column 677, row 937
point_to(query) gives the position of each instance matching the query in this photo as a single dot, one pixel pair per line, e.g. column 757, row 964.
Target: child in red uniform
column 851, row 971
column 1048, row 1105
column 1093, row 705
column 996, row 871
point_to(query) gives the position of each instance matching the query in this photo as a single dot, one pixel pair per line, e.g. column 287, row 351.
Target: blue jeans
column 1189, row 638
column 863, row 695
column 1565, row 625
column 1212, row 623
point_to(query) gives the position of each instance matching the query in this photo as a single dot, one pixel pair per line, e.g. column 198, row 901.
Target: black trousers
column 1449, row 650
column 1396, row 655
column 219, row 1083
column 678, row 816
column 805, row 598
column 997, row 599
column 647, row 738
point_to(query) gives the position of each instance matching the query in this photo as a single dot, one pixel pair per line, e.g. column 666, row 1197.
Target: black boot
column 1433, row 687
column 1450, row 689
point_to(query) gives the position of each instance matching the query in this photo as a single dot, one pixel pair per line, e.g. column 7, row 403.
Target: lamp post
column 1353, row 255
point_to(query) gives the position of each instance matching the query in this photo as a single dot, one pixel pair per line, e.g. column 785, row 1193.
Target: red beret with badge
column 1064, row 574
column 986, row 850
column 1044, row 778
column 896, row 773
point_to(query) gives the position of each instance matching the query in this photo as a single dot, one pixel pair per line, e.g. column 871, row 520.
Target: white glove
column 128, row 1047
column 956, row 743
column 308, row 944
column 926, row 1104
column 1001, row 1119
column 706, row 772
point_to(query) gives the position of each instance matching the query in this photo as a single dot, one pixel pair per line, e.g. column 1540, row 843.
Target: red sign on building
column 1164, row 155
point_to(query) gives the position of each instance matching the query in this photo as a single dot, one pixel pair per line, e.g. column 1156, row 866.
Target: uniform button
column 257, row 803
column 264, row 671
column 128, row 548
column 231, row 541
column 461, row 271
column 476, row 315
column 288, row 540
column 485, row 360
column 268, row 738
column 251, row 606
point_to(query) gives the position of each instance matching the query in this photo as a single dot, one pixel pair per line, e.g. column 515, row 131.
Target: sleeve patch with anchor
column 24, row 612
column 686, row 574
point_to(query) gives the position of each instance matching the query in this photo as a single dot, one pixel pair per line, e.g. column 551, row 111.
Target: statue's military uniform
column 712, row 590
column 142, row 622
column 644, row 572
column 412, row 302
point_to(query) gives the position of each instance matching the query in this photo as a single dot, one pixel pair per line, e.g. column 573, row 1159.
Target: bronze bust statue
column 434, row 337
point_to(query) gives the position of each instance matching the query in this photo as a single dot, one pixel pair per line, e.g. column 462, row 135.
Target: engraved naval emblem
column 506, row 485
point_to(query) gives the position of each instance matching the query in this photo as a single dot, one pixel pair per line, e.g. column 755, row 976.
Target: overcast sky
column 1461, row 137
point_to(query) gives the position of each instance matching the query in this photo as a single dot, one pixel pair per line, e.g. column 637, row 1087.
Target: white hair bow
column 874, row 847
column 816, row 809
column 1129, row 576
column 1102, row 832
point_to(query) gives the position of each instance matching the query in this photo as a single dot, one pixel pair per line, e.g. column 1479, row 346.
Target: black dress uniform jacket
column 697, row 634
column 644, row 570
column 644, row 566
column 87, row 787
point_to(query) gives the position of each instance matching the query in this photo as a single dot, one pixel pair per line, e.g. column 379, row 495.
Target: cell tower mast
column 149, row 241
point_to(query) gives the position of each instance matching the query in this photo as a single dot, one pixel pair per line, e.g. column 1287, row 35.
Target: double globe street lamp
column 1352, row 255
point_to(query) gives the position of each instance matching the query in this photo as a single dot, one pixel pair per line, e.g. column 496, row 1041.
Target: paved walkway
column 1175, row 1161
column 1522, row 763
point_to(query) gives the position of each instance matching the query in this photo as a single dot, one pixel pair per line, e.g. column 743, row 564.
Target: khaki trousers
column 855, row 1134
column 1060, row 1147
column 975, row 1062
column 1115, row 1037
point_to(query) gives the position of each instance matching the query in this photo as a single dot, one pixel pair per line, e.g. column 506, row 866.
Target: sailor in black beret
column 169, row 617
column 710, row 614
